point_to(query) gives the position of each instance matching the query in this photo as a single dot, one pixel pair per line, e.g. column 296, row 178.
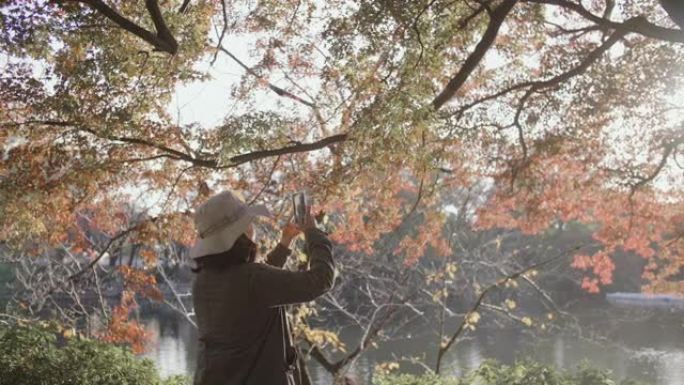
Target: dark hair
column 243, row 251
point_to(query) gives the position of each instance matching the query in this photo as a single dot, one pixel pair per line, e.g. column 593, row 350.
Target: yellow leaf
column 444, row 342
column 69, row 333
column 451, row 269
column 386, row 367
column 527, row 321
column 510, row 304
column 302, row 258
column 473, row 318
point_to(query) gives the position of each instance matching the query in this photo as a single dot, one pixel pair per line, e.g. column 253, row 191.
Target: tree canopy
column 556, row 110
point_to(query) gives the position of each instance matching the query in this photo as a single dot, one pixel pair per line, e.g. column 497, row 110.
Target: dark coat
column 239, row 316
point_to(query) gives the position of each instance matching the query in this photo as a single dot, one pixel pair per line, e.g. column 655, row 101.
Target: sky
column 208, row 103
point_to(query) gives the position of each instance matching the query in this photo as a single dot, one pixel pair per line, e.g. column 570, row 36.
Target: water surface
column 645, row 345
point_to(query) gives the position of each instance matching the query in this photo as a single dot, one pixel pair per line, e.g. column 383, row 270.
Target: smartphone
column 299, row 207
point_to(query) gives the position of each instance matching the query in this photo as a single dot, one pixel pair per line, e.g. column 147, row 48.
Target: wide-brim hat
column 220, row 221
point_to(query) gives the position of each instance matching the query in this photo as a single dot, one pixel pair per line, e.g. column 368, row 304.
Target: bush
column 410, row 379
column 32, row 355
column 492, row 373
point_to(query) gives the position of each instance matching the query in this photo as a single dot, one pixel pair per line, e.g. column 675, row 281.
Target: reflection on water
column 173, row 347
column 641, row 349
column 672, row 367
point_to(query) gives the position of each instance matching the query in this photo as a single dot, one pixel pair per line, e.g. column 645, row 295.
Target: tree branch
column 144, row 142
column 104, row 250
column 163, row 40
column 638, row 25
column 184, row 6
column 199, row 162
column 415, row 28
column 318, row 355
column 223, row 32
column 163, row 31
column 669, row 149
column 279, row 91
column 538, row 85
column 496, row 19
column 297, row 148
column 267, row 182
column 502, row 310
column 443, row 348
column 372, row 330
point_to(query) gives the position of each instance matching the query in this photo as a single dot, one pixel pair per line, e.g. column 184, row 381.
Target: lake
column 642, row 344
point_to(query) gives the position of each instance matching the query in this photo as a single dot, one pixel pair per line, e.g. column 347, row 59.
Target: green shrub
column 492, row 373
column 31, row 355
column 527, row 373
column 410, row 379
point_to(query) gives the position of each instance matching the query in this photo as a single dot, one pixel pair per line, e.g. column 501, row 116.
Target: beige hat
column 220, row 221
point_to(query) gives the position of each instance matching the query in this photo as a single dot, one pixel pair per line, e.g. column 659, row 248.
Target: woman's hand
column 290, row 232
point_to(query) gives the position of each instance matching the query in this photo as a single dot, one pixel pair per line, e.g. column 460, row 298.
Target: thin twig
column 279, row 91
column 266, row 182
column 443, row 348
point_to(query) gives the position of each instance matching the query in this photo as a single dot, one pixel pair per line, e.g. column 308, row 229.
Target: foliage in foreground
column 523, row 373
column 32, row 355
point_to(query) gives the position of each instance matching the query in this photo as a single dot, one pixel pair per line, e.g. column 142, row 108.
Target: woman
column 243, row 332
